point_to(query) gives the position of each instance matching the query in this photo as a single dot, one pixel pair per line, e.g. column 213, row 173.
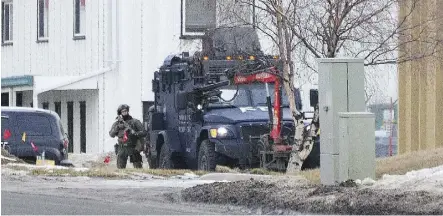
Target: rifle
column 127, row 128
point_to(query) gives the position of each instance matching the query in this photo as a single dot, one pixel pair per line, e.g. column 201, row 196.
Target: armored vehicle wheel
column 164, row 160
column 151, row 161
column 313, row 160
column 206, row 156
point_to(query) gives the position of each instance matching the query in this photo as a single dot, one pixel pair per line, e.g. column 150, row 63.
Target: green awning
column 17, row 81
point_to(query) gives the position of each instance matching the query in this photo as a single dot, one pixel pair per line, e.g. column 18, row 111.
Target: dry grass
column 260, row 171
column 402, row 164
column 110, row 172
column 395, row 165
column 103, row 173
column 164, row 172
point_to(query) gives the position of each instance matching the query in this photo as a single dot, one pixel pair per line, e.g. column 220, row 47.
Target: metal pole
column 390, row 130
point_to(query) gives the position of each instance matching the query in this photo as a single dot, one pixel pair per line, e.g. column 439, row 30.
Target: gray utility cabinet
column 341, row 90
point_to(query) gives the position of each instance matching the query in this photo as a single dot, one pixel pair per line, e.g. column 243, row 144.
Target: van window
column 34, row 125
column 5, row 122
column 5, row 126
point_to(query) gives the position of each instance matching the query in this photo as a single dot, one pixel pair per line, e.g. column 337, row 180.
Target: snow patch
column 429, row 179
column 47, row 167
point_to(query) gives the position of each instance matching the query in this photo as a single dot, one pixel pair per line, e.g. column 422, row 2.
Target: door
column 34, row 128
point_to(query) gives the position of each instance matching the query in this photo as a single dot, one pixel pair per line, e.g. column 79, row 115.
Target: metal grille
column 251, row 133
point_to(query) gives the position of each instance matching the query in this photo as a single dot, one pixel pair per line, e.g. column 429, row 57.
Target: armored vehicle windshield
column 248, row 95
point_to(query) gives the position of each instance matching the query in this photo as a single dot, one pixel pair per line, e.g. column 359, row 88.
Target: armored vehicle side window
column 34, row 125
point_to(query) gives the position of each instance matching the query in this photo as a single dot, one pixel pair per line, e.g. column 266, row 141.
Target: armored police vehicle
column 199, row 118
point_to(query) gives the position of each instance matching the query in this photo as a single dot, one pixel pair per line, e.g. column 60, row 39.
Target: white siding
column 161, row 37
column 61, row 55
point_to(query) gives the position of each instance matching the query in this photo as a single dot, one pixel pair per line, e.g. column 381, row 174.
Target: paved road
column 41, row 195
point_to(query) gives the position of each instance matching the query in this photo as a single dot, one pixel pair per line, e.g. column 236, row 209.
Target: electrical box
column 341, row 89
column 356, row 146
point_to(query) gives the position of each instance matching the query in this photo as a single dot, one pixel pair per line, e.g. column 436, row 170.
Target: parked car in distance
column 22, row 126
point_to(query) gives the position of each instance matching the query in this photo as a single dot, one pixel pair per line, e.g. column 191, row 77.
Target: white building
column 82, row 58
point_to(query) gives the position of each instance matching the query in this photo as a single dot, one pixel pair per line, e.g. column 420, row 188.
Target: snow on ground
column 48, row 167
column 430, row 179
column 8, row 158
column 85, row 160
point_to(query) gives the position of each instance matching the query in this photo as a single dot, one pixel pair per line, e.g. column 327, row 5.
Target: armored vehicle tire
column 206, row 156
column 164, row 159
column 151, row 161
column 313, row 160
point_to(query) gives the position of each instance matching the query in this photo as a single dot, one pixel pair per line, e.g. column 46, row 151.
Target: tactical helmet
column 122, row 107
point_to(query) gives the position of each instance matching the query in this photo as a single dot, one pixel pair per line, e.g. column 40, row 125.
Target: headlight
column 220, row 132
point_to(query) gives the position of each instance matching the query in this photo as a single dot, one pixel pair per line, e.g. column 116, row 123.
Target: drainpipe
column 112, row 67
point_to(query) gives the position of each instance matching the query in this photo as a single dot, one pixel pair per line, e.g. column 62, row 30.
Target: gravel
column 281, row 196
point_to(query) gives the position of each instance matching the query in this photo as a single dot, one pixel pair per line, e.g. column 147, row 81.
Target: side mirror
column 313, row 97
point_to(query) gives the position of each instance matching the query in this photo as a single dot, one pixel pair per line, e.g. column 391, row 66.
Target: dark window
column 5, row 124
column 19, row 99
column 7, row 25
column 58, row 108
column 79, row 18
column 5, row 99
column 198, row 16
column 83, row 126
column 46, row 105
column 70, row 111
column 42, row 22
column 34, row 125
column 6, row 131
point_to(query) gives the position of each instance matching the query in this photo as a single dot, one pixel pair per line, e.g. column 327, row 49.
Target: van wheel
column 164, row 160
column 206, row 156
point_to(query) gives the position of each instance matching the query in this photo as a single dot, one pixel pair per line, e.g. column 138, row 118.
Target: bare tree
column 303, row 30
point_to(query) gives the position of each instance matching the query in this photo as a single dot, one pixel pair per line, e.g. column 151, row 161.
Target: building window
column 70, row 113
column 7, row 24
column 42, row 20
column 19, row 99
column 79, row 19
column 58, row 108
column 83, row 126
column 5, row 99
column 45, row 105
column 197, row 16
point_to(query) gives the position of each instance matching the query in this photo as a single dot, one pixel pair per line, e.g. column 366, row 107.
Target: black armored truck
column 200, row 119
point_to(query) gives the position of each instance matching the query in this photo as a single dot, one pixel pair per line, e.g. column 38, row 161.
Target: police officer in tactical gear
column 130, row 134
